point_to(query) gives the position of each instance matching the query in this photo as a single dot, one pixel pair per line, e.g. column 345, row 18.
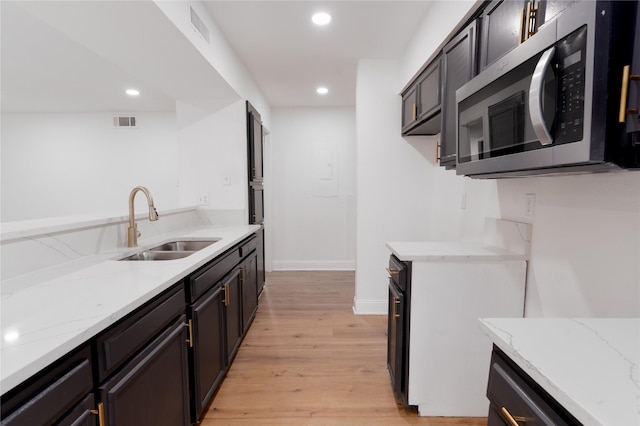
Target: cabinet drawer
column 511, row 395
column 122, row 341
column 51, row 395
column 248, row 246
column 210, row 275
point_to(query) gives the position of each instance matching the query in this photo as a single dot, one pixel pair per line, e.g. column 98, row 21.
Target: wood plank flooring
column 308, row 360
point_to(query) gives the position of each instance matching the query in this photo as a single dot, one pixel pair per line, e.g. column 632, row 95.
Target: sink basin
column 158, row 255
column 188, row 245
column 172, row 250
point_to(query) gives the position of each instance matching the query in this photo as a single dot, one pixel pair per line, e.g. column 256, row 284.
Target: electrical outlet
column 530, row 204
column 203, row 200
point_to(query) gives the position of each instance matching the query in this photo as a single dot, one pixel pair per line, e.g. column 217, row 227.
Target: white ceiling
column 59, row 56
column 289, row 57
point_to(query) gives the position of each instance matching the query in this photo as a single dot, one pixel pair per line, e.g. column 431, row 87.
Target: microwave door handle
column 536, row 96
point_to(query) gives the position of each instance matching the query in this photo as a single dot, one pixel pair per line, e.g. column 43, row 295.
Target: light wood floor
column 308, row 360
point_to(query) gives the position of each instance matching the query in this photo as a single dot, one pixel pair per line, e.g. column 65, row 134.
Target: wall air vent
column 200, row 27
column 124, row 122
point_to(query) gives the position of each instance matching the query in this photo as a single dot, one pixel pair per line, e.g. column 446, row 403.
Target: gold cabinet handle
column 392, row 272
column 508, row 417
column 624, row 92
column 227, row 296
column 528, row 22
column 415, row 111
column 396, row 302
column 438, row 146
column 190, row 339
column 100, row 413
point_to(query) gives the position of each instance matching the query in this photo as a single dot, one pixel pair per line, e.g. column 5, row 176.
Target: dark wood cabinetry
column 501, row 29
column 398, row 328
column 421, row 102
column 249, row 290
column 514, row 396
column 459, row 66
column 153, row 388
column 159, row 365
column 232, row 287
column 61, row 394
column 207, row 350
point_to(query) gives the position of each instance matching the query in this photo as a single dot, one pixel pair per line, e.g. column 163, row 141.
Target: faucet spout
column 133, row 234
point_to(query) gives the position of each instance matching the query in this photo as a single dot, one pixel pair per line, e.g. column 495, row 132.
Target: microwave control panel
column 570, row 68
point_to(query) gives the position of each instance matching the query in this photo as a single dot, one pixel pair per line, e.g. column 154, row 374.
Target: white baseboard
column 314, row 265
column 369, row 307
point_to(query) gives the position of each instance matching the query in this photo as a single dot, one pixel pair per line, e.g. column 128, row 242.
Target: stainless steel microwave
column 555, row 103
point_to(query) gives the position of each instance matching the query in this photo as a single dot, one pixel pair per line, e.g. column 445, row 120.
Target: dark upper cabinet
column 459, row 66
column 421, row 102
column 254, row 144
column 507, row 23
column 502, row 29
column 256, row 204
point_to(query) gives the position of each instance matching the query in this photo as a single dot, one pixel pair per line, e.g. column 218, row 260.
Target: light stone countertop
column 588, row 365
column 450, row 251
column 51, row 312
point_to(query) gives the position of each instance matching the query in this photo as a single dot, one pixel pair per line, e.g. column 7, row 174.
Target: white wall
column 218, row 52
column 212, row 160
column 312, row 204
column 70, row 164
column 394, row 181
column 586, row 228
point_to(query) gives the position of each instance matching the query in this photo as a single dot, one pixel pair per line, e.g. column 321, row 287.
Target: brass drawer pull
column 100, row 413
column 624, row 92
column 392, row 272
column 190, row 339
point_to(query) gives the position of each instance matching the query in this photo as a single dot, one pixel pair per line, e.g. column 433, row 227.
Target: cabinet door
column 256, row 204
column 84, row 414
column 153, row 388
column 429, row 90
column 396, row 343
column 207, row 352
column 550, row 9
column 249, row 290
column 409, row 108
column 233, row 312
column 459, row 63
column 254, row 143
column 501, row 22
column 261, row 269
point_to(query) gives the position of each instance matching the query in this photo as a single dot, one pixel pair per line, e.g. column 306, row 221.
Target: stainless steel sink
column 188, row 245
column 158, row 255
column 172, row 250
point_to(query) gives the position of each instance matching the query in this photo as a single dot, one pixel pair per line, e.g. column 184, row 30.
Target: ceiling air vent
column 124, row 122
column 200, row 27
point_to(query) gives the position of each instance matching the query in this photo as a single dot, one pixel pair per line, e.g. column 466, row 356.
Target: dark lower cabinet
column 59, row 395
column 233, row 312
column 514, row 397
column 261, row 270
column 249, row 290
column 161, row 364
column 152, row 388
column 207, row 353
column 398, row 328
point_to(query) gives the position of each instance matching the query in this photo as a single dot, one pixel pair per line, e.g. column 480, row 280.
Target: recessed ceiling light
column 132, row 92
column 321, row 18
column 322, row 90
